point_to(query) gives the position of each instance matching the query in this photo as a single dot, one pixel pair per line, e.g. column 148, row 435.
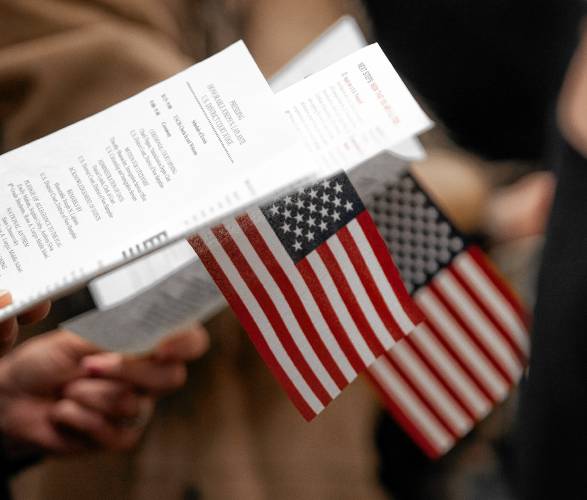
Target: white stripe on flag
column 283, row 308
column 432, row 389
column 261, row 320
column 469, row 353
column 303, row 293
column 478, row 322
column 501, row 308
column 363, row 299
column 340, row 308
column 392, row 383
column 385, row 288
column 449, row 368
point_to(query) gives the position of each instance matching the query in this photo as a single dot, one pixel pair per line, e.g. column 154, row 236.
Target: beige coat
column 231, row 433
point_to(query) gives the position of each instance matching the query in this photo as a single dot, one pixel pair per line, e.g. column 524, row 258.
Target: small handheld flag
column 314, row 285
column 451, row 371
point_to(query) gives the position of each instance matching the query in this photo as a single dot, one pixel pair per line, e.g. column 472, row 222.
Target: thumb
column 42, row 364
column 74, row 346
column 8, row 328
column 183, row 345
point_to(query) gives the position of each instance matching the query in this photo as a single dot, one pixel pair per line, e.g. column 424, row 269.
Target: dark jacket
column 491, row 71
column 551, row 425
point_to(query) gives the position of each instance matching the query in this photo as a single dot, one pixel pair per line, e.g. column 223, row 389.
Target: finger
column 35, row 314
column 45, row 363
column 147, row 405
column 8, row 328
column 144, row 373
column 26, row 425
column 184, row 345
column 110, row 397
column 5, row 298
column 94, row 426
column 71, row 345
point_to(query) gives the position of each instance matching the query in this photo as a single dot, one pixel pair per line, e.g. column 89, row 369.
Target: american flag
column 313, row 284
column 450, row 372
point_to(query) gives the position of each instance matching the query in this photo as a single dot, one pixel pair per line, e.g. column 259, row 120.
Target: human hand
column 9, row 328
column 572, row 103
column 520, row 210
column 60, row 394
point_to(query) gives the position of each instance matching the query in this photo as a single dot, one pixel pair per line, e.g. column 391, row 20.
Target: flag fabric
column 473, row 346
column 314, row 285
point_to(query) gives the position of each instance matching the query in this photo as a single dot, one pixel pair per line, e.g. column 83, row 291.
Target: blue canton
column 419, row 236
column 306, row 218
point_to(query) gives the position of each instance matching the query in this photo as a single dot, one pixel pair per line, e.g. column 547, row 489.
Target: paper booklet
column 340, row 40
column 181, row 155
column 140, row 174
column 171, row 281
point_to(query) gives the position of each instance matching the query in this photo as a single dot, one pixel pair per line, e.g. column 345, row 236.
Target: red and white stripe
column 450, row 372
column 317, row 323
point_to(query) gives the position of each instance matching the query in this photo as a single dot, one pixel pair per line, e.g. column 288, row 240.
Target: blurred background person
column 492, row 71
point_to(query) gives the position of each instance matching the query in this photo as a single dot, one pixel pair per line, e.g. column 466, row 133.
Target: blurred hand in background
column 521, row 209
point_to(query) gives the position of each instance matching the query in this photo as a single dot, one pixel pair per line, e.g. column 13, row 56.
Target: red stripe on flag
column 288, row 290
column 386, row 262
column 368, row 282
column 348, row 296
column 442, row 380
column 423, row 398
column 405, row 421
column 470, row 332
column 480, row 302
column 250, row 278
column 329, row 314
column 501, row 284
column 446, row 343
column 250, row 326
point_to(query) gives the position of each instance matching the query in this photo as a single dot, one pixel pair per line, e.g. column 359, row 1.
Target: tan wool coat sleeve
column 61, row 60
column 231, row 432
